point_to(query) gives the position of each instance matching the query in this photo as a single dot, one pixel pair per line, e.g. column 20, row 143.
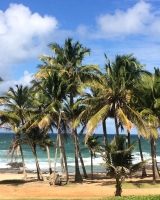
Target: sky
column 110, row 27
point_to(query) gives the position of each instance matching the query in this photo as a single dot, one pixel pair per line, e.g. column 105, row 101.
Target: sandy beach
column 100, row 187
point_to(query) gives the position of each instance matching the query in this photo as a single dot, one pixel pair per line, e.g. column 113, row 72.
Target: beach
column 100, row 187
column 13, row 187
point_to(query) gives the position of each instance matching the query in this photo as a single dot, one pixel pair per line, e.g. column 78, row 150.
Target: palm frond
column 97, row 118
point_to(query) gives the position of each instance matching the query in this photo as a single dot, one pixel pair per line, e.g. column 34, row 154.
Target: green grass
column 149, row 197
column 135, row 185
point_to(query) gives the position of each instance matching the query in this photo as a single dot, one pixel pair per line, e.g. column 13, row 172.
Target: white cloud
column 140, row 19
column 23, row 35
column 82, row 30
column 24, row 80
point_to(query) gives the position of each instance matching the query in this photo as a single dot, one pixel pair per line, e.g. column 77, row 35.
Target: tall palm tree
column 68, row 62
column 149, row 105
column 20, row 105
column 115, row 95
column 49, row 94
column 15, row 103
column 68, row 110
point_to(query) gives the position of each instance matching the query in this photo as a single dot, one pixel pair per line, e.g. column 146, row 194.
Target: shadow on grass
column 16, row 182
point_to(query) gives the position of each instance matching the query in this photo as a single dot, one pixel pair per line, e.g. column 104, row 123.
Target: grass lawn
column 135, row 185
column 155, row 197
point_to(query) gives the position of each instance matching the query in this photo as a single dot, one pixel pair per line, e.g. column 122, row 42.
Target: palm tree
column 115, row 96
column 49, row 94
column 144, row 173
column 68, row 110
column 120, row 164
column 68, row 62
column 15, row 102
column 148, row 104
column 16, row 145
column 45, row 144
column 19, row 104
column 94, row 145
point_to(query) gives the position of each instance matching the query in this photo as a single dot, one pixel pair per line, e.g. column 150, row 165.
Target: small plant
column 120, row 164
column 94, row 145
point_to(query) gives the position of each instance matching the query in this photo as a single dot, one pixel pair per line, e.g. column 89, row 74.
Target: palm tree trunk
column 118, row 186
column 37, row 166
column 65, row 159
column 22, row 155
column 128, row 144
column 23, row 164
column 116, row 122
column 154, row 163
column 39, row 173
column 91, row 164
column 49, row 159
column 106, row 143
column 128, row 139
column 116, row 126
column 55, row 159
column 105, row 133
column 105, row 139
column 144, row 174
column 78, row 177
column 61, row 156
column 82, row 163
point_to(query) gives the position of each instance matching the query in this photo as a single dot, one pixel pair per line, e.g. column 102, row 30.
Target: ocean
column 6, row 138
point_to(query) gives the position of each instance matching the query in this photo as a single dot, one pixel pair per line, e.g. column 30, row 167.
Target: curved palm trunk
column 23, row 164
column 37, row 164
column 78, row 177
column 39, row 173
column 22, row 156
column 64, row 156
column 49, row 159
column 154, row 163
column 144, row 174
column 82, row 163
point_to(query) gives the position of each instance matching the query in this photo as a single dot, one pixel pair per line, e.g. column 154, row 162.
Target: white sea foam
column 3, row 151
column 4, row 165
column 3, row 142
column 43, row 162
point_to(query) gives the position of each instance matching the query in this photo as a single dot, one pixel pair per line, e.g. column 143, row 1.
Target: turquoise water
column 6, row 138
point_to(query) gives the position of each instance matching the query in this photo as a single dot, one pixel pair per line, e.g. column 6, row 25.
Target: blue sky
column 111, row 27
